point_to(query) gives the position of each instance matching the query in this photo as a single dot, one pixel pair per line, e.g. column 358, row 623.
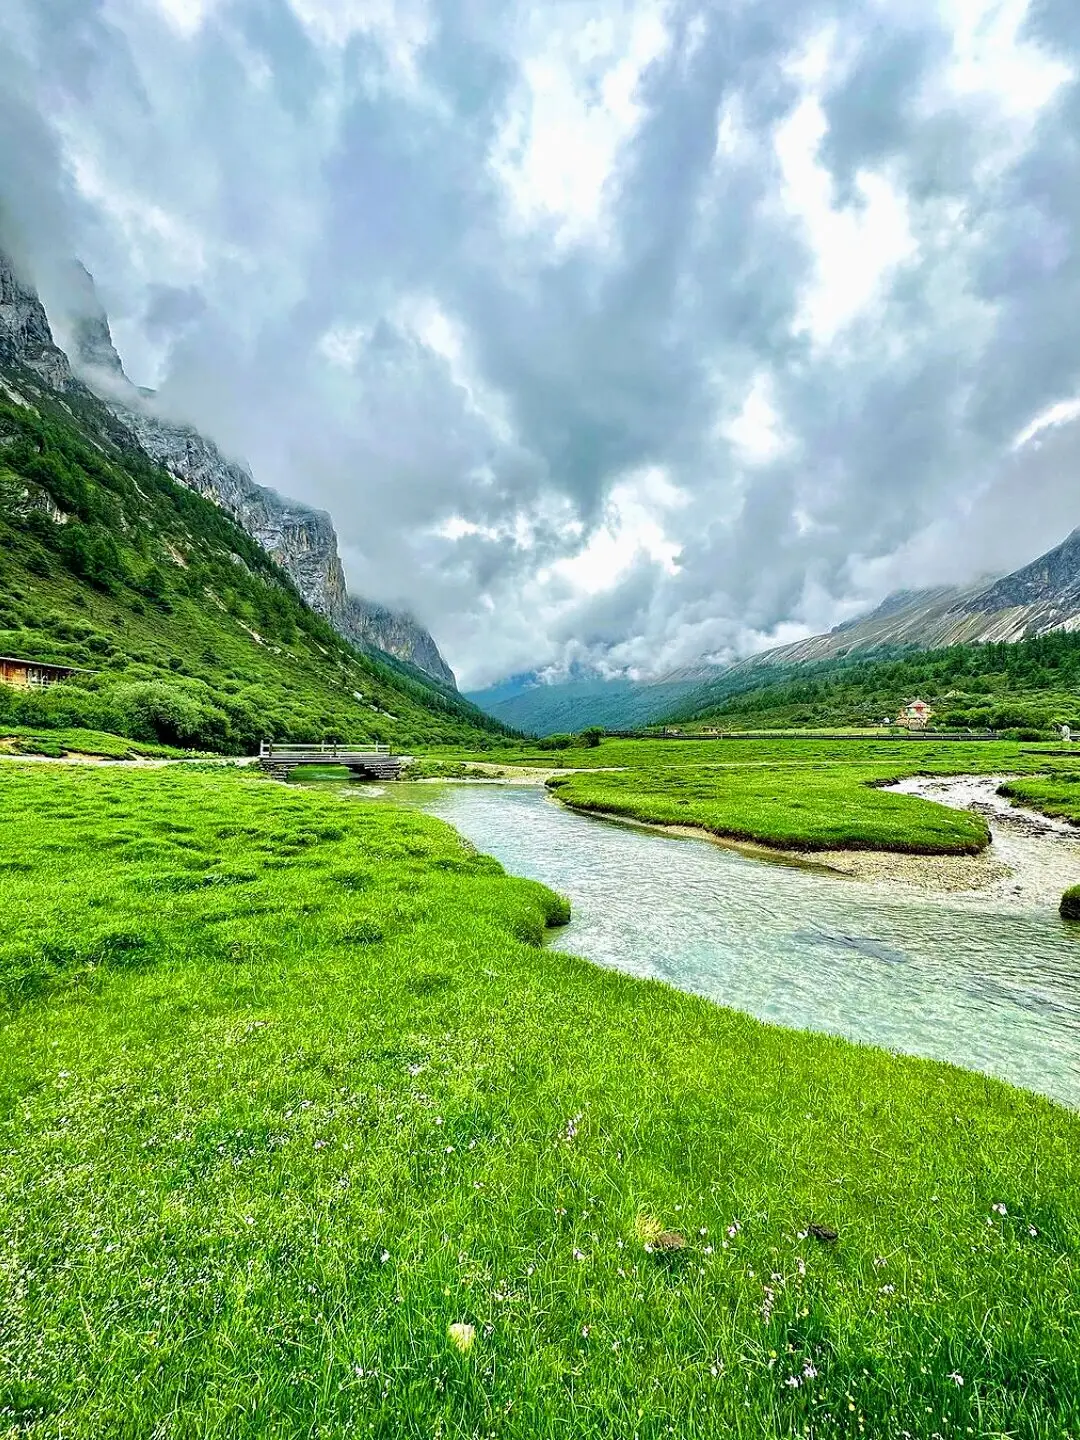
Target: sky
column 613, row 334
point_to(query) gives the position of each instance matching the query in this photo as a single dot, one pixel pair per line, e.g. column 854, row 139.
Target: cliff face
column 302, row 541
column 396, row 633
column 25, row 335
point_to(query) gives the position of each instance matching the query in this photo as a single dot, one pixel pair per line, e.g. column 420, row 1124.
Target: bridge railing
column 268, row 750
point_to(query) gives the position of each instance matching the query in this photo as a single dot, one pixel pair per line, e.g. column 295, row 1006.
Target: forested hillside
column 185, row 631
column 1030, row 684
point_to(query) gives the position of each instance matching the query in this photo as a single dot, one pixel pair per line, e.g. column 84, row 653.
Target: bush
column 555, row 742
column 170, row 714
column 1070, row 903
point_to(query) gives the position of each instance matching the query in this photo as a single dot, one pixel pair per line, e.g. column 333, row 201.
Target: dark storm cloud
column 311, row 237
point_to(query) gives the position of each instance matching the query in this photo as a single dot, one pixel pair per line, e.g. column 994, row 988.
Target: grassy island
column 305, row 1134
column 799, row 808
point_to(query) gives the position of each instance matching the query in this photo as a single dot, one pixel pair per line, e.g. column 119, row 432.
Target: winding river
column 987, row 982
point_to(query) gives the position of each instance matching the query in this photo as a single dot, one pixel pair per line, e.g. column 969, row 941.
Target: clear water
column 983, row 985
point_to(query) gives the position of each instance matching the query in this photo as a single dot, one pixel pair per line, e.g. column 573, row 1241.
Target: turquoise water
column 994, row 989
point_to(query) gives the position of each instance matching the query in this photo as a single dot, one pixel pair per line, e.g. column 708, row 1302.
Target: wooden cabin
column 32, row 674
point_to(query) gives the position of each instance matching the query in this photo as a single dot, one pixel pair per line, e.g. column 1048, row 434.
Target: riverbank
column 1029, row 861
column 290, row 1092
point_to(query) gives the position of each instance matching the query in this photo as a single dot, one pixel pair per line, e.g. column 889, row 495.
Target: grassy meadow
column 305, row 1133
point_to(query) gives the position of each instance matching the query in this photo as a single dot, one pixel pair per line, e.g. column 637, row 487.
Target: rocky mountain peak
column 26, row 338
column 92, row 341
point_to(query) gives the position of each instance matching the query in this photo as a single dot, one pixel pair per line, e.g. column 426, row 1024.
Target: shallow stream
column 989, row 982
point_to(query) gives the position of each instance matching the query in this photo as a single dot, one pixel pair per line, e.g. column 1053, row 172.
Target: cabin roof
column 44, row 665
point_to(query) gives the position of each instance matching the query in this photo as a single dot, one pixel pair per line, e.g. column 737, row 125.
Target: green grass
column 19, row 740
column 288, row 1087
column 896, row 756
column 1055, row 794
column 798, row 808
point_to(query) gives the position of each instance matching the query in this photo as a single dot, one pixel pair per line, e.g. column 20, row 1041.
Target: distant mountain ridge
column 1037, row 599
column 300, row 539
column 526, row 703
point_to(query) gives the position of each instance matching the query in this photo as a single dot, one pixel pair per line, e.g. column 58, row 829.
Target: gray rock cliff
column 26, row 338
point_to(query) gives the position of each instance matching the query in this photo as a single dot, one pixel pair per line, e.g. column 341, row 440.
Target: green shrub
column 1070, row 903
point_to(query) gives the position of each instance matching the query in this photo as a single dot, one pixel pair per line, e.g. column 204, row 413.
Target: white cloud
column 576, row 106
column 1062, row 412
column 991, row 57
column 633, row 527
column 401, row 28
column 186, row 16
column 855, row 247
column 757, row 431
column 633, row 326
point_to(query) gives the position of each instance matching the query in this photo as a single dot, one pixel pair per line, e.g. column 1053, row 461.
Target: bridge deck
column 373, row 760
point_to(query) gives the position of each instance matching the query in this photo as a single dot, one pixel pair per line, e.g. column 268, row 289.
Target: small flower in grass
column 577, row 1254
column 999, row 1208
column 887, row 1290
column 384, row 1257
column 809, row 1371
column 585, row 1332
column 956, row 1378
column 1032, row 1231
column 793, row 1382
column 462, row 1335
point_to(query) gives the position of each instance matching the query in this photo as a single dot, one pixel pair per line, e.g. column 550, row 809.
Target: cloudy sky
column 609, row 333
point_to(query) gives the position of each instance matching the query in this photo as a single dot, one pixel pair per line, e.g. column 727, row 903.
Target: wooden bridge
column 369, row 762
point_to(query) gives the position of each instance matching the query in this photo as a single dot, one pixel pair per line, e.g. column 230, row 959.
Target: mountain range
column 298, row 538
column 1040, row 598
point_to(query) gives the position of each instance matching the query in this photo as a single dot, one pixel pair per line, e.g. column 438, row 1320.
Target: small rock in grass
column 669, row 1241
column 462, row 1334
column 825, row 1233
